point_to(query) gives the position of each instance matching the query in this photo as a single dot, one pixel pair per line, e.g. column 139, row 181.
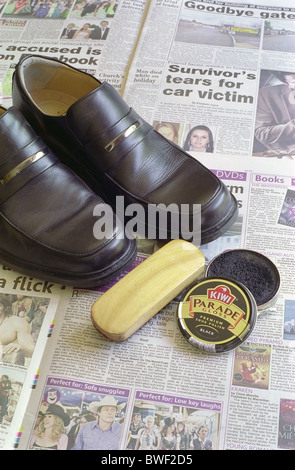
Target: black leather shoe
column 94, row 132
column 46, row 214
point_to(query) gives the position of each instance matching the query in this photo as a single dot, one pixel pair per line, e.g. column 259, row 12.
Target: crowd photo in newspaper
column 217, row 80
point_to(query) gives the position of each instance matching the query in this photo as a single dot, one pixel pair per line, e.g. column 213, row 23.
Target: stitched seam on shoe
column 159, row 181
column 219, row 188
column 8, row 159
column 180, row 161
column 204, row 206
column 80, row 100
column 215, row 177
column 110, row 127
column 208, row 230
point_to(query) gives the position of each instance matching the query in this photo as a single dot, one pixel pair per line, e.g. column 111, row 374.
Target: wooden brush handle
column 145, row 290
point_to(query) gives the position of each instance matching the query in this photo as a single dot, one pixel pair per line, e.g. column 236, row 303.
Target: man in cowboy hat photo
column 103, row 433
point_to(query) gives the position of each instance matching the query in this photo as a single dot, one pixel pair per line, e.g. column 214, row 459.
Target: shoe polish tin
column 217, row 314
column 253, row 269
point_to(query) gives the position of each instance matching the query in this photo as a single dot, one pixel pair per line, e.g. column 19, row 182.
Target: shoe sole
column 216, row 233
column 89, row 280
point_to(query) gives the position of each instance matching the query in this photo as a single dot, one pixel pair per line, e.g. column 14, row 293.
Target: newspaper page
column 225, row 66
column 28, row 307
column 243, row 399
column 96, row 37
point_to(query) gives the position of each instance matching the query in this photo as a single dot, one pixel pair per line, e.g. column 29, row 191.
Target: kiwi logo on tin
column 217, row 302
column 222, row 294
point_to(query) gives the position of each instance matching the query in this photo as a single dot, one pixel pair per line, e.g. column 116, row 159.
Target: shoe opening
column 54, row 86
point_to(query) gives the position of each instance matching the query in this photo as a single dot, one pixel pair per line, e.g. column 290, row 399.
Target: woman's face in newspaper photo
column 199, row 140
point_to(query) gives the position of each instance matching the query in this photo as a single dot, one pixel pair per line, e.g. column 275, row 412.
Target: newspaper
column 209, row 65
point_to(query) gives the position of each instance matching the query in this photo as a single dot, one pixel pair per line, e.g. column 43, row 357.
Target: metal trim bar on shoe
column 21, row 166
column 117, row 140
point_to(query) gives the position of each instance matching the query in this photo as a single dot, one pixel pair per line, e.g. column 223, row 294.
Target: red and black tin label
column 217, row 314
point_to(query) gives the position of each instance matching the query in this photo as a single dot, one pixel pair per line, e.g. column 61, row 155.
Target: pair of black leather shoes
column 68, row 140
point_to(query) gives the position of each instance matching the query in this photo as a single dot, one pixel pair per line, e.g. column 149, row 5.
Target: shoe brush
column 144, row 291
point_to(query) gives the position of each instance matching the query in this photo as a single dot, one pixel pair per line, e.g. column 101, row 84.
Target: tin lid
column 217, row 314
column 253, row 269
